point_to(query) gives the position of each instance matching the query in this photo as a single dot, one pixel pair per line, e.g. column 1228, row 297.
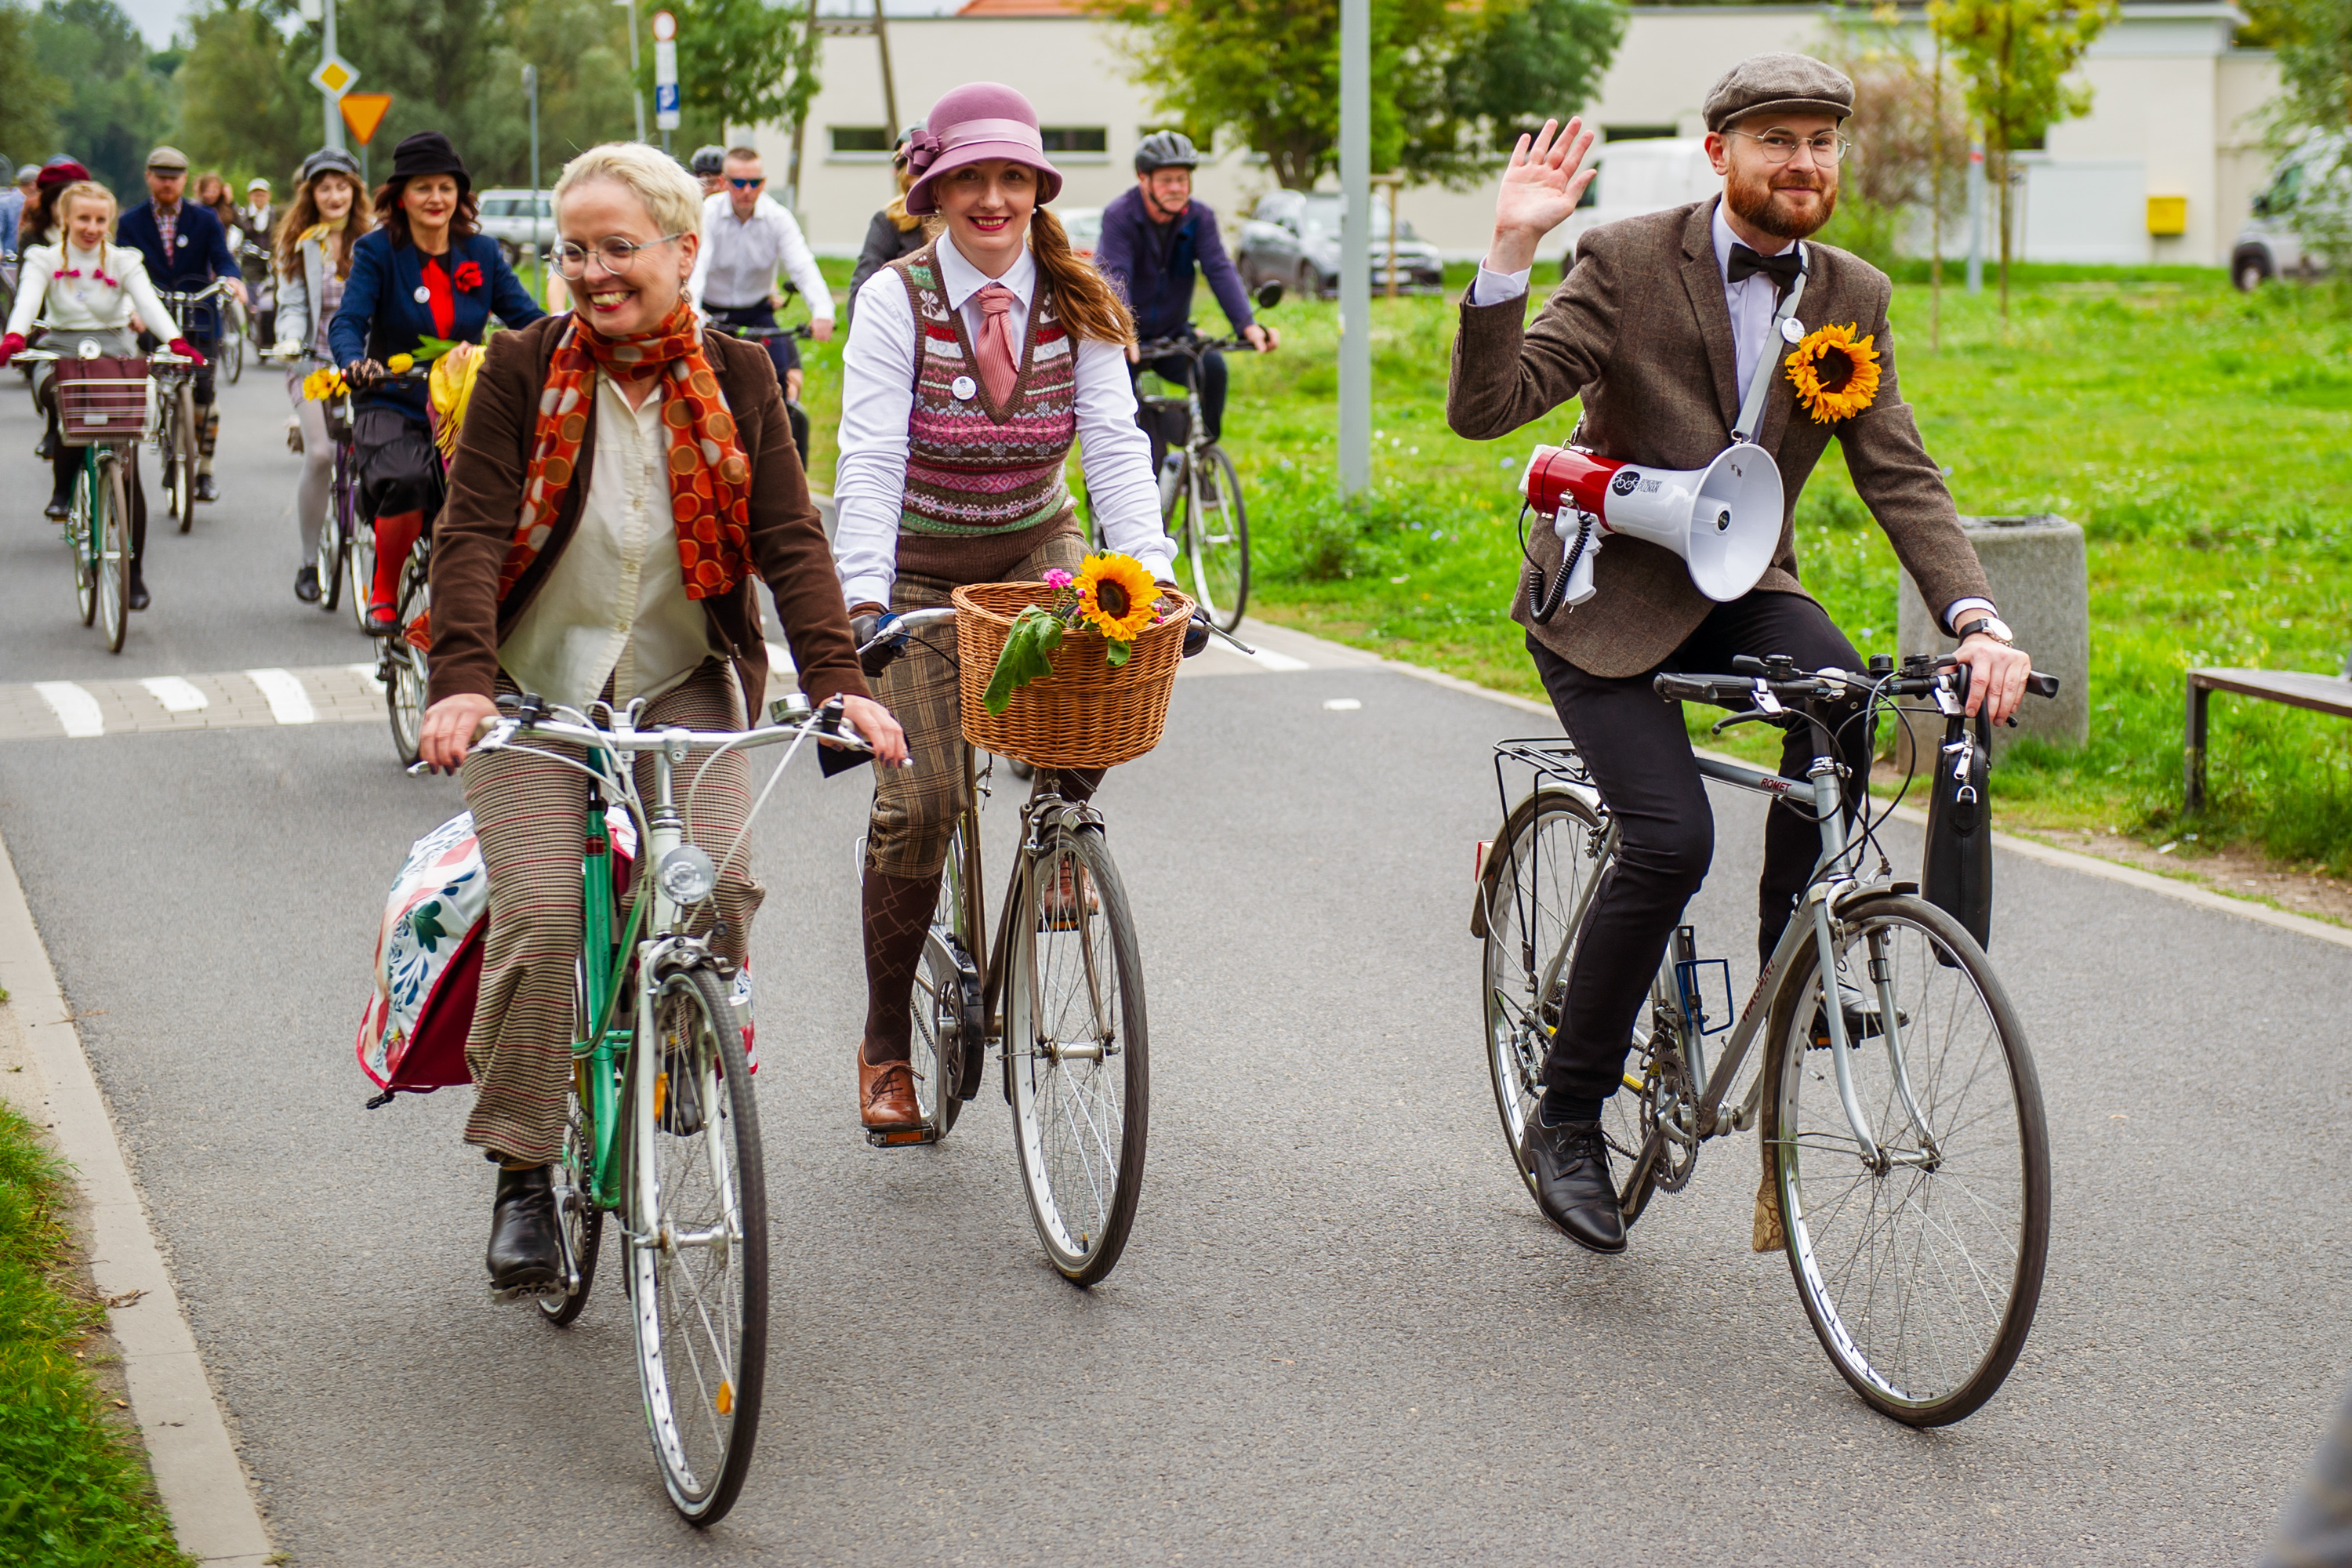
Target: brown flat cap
column 1778, row 83
column 168, row 160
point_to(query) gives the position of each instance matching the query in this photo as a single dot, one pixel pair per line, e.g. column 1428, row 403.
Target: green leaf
column 1116, row 655
column 1028, row 656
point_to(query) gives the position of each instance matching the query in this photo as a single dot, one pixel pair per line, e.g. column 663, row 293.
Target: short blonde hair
column 670, row 196
column 86, row 191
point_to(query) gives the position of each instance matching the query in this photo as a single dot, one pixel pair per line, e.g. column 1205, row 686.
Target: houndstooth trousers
column 531, row 816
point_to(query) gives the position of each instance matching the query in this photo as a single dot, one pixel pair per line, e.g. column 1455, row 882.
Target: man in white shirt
column 747, row 236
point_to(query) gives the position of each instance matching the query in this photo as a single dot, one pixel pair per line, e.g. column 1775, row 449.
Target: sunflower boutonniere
column 1836, row 372
column 1113, row 594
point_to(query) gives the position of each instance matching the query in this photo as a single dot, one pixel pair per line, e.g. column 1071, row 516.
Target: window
column 861, row 139
column 1076, row 139
column 497, row 206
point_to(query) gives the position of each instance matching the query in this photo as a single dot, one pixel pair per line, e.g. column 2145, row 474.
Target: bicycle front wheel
column 1216, row 537
column 334, row 531
column 358, row 552
column 1075, row 1053
column 111, row 534
column 83, row 524
column 697, row 1243
column 180, row 457
column 405, row 687
column 232, row 352
column 1918, row 1259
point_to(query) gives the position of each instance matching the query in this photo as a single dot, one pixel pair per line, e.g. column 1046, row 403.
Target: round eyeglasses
column 1780, row 146
column 618, row 254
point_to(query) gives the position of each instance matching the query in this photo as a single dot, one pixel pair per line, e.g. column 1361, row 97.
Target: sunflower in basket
column 1114, row 595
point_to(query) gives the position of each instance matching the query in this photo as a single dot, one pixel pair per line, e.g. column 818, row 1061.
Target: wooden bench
column 2297, row 689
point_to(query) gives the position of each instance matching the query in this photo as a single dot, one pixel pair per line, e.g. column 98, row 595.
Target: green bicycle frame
column 601, row 962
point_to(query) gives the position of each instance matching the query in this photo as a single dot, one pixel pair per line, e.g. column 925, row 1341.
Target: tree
column 29, row 98
column 742, row 62
column 2312, row 120
column 244, row 103
column 2013, row 57
column 1904, row 159
column 115, row 106
column 1455, row 81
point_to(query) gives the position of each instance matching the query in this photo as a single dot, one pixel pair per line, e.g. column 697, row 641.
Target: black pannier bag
column 1957, row 873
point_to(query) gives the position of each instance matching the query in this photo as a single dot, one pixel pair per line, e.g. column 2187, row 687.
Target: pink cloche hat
column 972, row 123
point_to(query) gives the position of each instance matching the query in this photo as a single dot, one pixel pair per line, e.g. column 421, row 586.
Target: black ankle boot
column 524, row 1254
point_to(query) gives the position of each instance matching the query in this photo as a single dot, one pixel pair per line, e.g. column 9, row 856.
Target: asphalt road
column 1341, row 1334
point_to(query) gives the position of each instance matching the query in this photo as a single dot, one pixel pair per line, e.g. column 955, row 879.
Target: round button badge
column 965, row 388
column 1792, row 330
column 422, row 296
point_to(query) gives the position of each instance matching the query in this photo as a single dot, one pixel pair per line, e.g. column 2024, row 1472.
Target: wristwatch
column 1992, row 625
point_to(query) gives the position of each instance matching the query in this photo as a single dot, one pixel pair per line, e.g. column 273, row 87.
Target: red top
column 437, row 298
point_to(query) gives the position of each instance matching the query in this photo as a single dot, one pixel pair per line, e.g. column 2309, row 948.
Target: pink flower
column 1057, row 578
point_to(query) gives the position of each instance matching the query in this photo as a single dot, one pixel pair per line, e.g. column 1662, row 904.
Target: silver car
column 1292, row 238
column 507, row 218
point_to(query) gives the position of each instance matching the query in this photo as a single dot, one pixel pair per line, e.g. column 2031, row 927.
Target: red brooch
column 469, row 276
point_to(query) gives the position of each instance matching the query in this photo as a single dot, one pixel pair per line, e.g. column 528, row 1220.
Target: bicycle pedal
column 901, row 1137
column 525, row 1293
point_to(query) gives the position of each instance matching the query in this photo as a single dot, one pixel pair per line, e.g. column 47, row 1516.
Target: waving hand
column 1541, row 186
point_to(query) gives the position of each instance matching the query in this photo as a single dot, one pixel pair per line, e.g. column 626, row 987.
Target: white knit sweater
column 71, row 290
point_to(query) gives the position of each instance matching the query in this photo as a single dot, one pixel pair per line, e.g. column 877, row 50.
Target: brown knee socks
column 898, row 915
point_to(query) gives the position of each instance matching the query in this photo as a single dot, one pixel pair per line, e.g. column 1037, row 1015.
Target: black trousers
column 1640, row 756
column 1177, row 368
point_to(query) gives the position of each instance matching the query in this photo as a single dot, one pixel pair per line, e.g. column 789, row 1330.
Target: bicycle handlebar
column 800, row 330
column 1157, row 348
column 532, row 720
column 1780, row 676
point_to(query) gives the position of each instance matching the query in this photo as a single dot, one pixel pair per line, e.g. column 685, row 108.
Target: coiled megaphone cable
column 1544, row 601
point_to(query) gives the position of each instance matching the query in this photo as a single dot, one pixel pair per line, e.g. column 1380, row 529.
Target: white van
column 507, row 218
column 2268, row 246
column 1644, row 176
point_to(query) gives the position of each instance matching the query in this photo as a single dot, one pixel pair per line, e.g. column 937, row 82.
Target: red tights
column 395, row 536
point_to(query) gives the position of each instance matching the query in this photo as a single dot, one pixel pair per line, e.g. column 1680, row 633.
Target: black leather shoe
column 306, row 584
column 680, row 1097
column 137, row 597
column 1570, row 1162
column 205, row 489
column 524, row 1254
column 47, row 445
column 383, row 621
column 59, row 507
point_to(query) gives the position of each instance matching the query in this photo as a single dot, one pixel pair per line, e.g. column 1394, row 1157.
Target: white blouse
column 877, row 399
column 88, row 301
column 614, row 603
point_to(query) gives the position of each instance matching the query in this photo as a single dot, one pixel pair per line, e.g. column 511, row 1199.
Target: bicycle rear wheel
column 946, row 1007
column 232, row 351
column 1076, row 1052
column 83, row 524
column 696, row 1245
column 576, row 1214
column 179, row 456
column 1920, row 1267
column 1216, row 537
column 405, row 678
column 334, row 535
column 111, row 535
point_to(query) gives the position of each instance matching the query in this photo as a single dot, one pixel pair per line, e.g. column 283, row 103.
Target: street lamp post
column 1355, row 248
column 334, row 109
column 636, row 93
column 530, row 91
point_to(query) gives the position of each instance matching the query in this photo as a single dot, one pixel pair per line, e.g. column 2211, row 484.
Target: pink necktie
column 998, row 369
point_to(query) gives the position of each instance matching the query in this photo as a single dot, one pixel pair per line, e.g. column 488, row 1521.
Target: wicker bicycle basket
column 104, row 400
column 1084, row 715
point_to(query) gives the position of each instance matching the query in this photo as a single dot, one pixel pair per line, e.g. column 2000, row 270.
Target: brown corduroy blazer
column 471, row 539
column 1641, row 333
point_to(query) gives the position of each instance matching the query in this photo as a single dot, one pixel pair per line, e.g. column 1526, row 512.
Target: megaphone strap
column 1759, row 384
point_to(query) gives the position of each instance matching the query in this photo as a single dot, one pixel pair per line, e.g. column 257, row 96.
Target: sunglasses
column 753, row 185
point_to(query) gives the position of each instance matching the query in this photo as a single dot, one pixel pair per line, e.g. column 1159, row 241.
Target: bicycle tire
column 1933, row 975
column 331, row 555
column 942, row 1006
column 582, row 1222
column 1216, row 537
column 112, row 547
column 180, row 461
column 232, row 352
column 80, row 529
column 693, row 1012
column 406, row 680
column 359, row 557
column 1082, row 1175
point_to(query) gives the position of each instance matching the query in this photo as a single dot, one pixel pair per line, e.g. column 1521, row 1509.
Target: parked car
column 1083, row 226
column 506, row 217
column 1292, row 238
column 2268, row 246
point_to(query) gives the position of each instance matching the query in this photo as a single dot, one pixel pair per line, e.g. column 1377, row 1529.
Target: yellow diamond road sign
column 334, row 76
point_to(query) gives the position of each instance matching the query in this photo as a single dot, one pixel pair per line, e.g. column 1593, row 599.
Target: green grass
column 74, row 1489
column 2197, row 434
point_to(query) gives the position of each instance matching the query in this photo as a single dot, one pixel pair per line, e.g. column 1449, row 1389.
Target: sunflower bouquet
column 1111, row 594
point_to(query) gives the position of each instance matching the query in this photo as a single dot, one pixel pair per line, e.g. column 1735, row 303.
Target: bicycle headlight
column 687, row 875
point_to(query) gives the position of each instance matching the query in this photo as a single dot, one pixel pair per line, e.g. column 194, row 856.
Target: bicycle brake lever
column 1224, row 635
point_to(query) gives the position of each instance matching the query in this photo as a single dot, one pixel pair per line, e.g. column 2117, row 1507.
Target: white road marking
column 368, row 673
column 178, row 695
column 1342, row 705
column 780, row 657
column 1280, row 662
column 77, row 709
column 282, row 690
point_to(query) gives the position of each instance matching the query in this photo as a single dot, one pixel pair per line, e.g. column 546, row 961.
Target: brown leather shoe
column 885, row 1093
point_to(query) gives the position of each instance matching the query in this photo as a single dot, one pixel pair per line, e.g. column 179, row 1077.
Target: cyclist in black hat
column 428, row 272
column 1152, row 237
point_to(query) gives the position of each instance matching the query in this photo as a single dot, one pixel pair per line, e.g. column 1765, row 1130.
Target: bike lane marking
column 282, row 690
column 328, row 694
column 76, row 709
column 198, row 1474
column 177, row 694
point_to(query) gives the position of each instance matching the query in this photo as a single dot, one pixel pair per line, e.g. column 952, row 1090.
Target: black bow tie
column 1784, row 268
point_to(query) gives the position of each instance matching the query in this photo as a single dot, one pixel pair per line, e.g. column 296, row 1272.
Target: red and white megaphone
column 1723, row 520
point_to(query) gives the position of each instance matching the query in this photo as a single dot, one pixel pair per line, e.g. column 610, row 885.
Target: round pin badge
column 422, row 296
column 1792, row 330
column 965, row 388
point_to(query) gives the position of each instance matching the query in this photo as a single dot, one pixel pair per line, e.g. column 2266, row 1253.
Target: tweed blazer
column 1640, row 334
column 471, row 538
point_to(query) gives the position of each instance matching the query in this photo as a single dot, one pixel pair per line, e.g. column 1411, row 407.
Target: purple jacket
column 1151, row 265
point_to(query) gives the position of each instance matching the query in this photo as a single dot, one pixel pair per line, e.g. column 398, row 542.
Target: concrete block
column 2041, row 585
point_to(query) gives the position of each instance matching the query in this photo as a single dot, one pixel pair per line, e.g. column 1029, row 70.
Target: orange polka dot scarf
column 709, row 479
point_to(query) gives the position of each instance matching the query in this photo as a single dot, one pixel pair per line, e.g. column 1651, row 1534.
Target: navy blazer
column 200, row 253
column 384, row 312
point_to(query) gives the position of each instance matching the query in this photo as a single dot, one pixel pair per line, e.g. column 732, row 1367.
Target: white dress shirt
column 738, row 263
column 614, row 603
column 877, row 399
column 1750, row 302
column 86, row 303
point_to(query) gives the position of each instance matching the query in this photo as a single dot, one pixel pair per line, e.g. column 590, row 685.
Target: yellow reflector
column 726, row 1400
column 661, row 1094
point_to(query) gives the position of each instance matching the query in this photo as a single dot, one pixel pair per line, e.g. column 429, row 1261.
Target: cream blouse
column 614, row 604
column 105, row 286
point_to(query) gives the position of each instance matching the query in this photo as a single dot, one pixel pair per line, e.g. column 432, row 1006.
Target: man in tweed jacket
column 1658, row 330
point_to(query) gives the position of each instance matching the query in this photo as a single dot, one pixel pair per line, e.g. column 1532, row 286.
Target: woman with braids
column 974, row 363
column 312, row 258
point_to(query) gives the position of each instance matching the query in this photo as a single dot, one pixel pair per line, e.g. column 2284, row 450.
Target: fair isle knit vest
column 984, row 484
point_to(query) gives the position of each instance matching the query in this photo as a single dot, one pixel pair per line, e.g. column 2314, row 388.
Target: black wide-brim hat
column 428, row 152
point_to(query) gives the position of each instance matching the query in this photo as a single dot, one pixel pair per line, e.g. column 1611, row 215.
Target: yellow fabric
column 449, row 388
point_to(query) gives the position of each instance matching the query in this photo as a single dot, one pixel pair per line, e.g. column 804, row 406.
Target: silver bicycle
column 1906, row 1162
